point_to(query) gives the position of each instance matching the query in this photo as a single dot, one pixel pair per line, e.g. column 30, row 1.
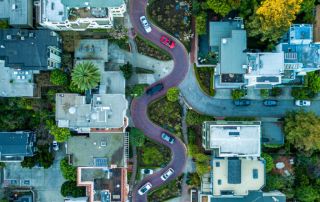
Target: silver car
column 145, row 188
column 145, row 24
column 167, row 174
column 303, row 103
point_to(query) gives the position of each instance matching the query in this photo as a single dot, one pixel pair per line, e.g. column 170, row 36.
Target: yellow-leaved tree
column 273, row 18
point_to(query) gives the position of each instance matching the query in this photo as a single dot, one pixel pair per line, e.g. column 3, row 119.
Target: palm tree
column 85, row 76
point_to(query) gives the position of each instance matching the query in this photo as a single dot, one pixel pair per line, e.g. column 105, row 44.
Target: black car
column 270, row 103
column 242, row 102
column 153, row 90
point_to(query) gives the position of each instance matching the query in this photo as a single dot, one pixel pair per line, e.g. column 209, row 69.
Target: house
column 14, row 146
column 294, row 56
column 237, row 170
column 101, row 167
column 38, row 50
column 18, row 13
column 78, row 15
column 93, row 112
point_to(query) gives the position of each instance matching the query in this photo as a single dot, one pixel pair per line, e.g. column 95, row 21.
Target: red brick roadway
column 139, row 106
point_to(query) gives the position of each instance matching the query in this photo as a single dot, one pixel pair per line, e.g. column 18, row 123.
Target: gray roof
column 234, row 171
column 27, row 49
column 92, row 3
column 16, row 143
column 219, row 30
column 19, row 12
column 232, row 55
column 256, row 196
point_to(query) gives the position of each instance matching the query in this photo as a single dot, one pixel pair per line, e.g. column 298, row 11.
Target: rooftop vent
column 103, row 143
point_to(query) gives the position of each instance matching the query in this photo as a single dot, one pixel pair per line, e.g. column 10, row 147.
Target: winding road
column 139, row 106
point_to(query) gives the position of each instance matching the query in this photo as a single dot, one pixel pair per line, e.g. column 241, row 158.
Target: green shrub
column 193, row 118
column 264, row 93
column 138, row 90
column 275, row 91
column 70, row 188
column 137, row 137
column 58, row 77
column 302, row 93
column 269, row 162
column 173, row 94
column 126, row 70
column 237, row 94
column 69, row 172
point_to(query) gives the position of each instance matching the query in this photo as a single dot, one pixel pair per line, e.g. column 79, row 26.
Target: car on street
column 242, row 102
column 147, row 171
column 270, row 103
column 168, row 42
column 145, row 188
column 153, row 90
column 55, row 146
column 167, row 174
column 167, row 138
column 303, row 103
column 145, row 24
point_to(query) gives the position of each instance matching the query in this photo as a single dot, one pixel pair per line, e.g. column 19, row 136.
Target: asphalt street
column 139, row 106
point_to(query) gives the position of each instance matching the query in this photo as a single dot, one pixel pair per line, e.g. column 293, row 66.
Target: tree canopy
column 273, row 18
column 173, row 94
column 307, row 194
column 126, row 70
column 58, row 77
column 137, row 137
column 85, row 76
column 152, row 156
column 223, row 7
column 201, row 23
column 60, row 134
column 302, row 130
column 269, row 161
column 193, row 118
column 138, row 90
column 70, row 188
column 69, row 172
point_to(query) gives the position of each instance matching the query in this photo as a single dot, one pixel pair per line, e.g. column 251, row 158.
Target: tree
column 307, row 11
column 273, row 18
column 69, row 172
column 302, row 130
column 173, row 94
column 85, row 76
column 264, row 93
column 202, row 168
column 152, row 156
column 193, row 180
column 4, row 24
column 70, row 188
column 193, row 118
column 269, row 162
column 274, row 182
column 302, row 93
column 223, row 7
column 126, row 70
column 307, row 194
column 58, row 77
column 313, row 82
column 201, row 23
column 237, row 94
column 275, row 91
column 28, row 162
column 138, row 90
column 137, row 137
column 60, row 134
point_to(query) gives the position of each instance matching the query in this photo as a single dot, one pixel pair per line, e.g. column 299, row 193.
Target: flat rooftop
column 19, row 12
column 101, row 150
column 92, row 49
column 265, row 63
column 112, row 82
column 238, row 177
column 103, row 111
column 235, row 139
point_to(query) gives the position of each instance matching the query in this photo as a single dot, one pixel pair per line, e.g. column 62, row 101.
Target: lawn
column 168, row 191
column 174, row 16
column 205, row 77
column 167, row 115
column 147, row 48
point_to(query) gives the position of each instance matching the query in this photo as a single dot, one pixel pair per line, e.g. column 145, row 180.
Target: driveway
column 139, row 106
column 202, row 103
column 46, row 182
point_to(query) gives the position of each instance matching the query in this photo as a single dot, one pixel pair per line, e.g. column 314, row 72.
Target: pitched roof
column 16, row 143
column 32, row 53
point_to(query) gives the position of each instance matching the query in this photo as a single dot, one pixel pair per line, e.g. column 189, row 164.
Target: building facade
column 78, row 15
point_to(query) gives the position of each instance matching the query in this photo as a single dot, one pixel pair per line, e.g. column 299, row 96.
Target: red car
column 166, row 41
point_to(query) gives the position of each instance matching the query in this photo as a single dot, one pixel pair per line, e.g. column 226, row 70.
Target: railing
column 126, row 148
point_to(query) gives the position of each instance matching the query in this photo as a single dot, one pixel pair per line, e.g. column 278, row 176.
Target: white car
column 147, row 171
column 145, row 24
column 302, row 103
column 55, row 146
column 167, row 174
column 145, row 188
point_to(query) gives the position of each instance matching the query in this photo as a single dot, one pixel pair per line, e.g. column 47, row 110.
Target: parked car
column 168, row 42
column 303, row 103
column 145, row 24
column 242, row 102
column 167, row 138
column 167, row 174
column 55, row 146
column 153, row 90
column 147, row 171
column 270, row 103
column 145, row 188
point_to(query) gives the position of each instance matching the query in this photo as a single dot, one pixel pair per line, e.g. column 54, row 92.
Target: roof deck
column 237, row 176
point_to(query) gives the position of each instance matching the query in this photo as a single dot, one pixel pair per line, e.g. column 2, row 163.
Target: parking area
column 45, row 182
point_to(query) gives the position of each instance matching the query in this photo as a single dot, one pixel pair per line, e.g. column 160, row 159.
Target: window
column 217, row 164
column 219, row 182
